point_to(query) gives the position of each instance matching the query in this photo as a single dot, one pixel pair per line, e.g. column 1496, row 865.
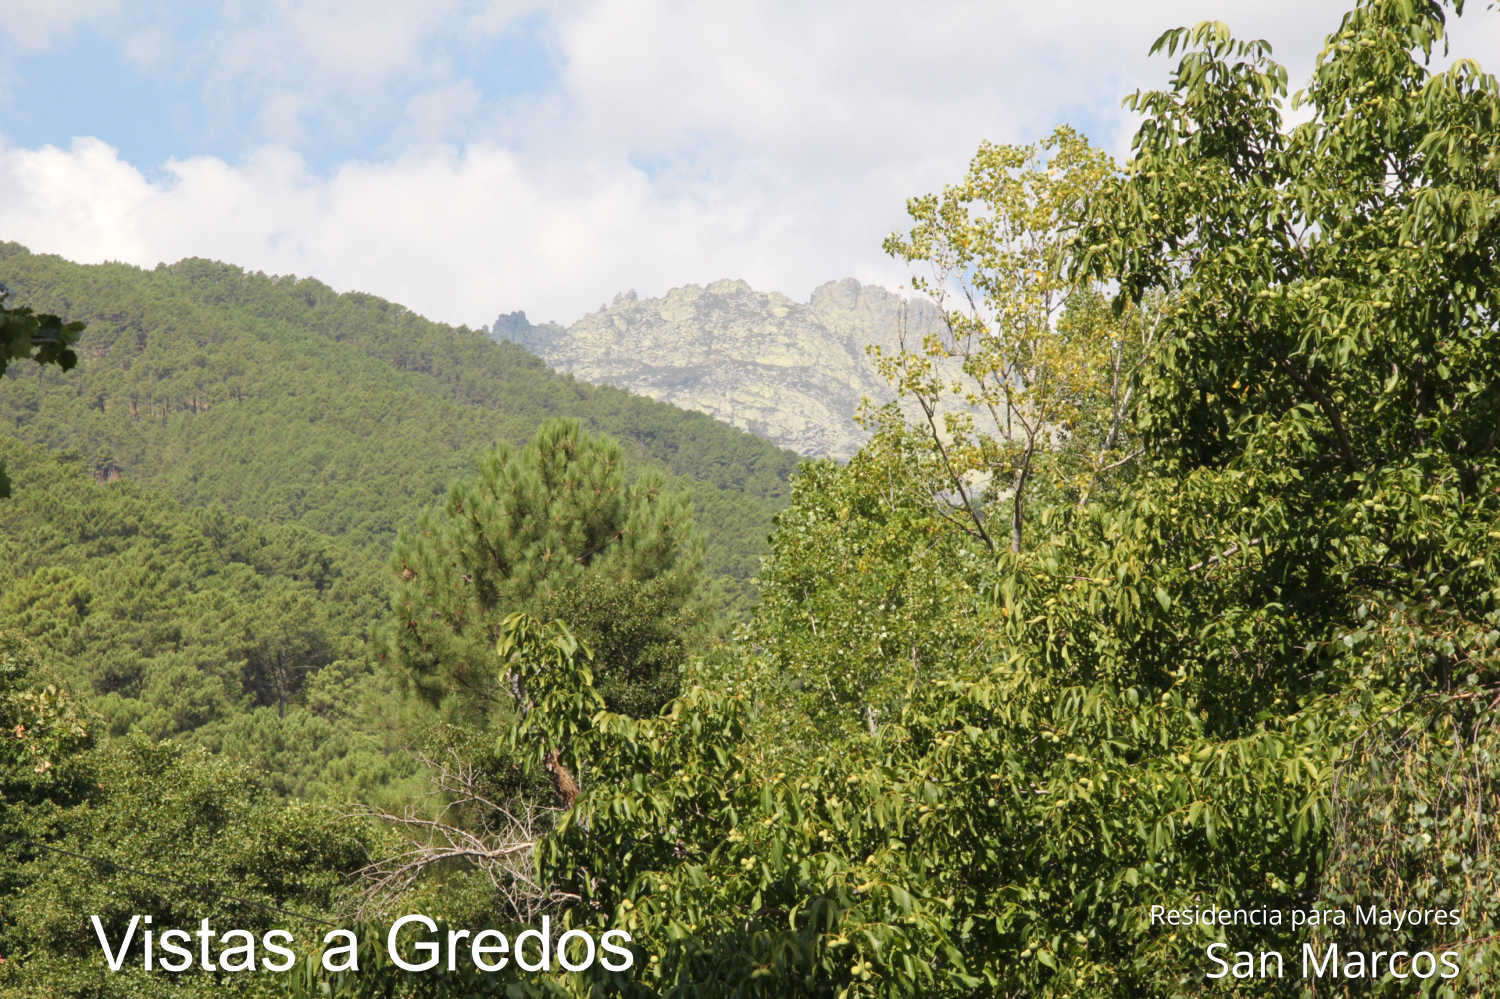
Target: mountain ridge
column 793, row 373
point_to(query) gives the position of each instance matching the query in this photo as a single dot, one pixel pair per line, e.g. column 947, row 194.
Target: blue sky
column 150, row 82
column 467, row 157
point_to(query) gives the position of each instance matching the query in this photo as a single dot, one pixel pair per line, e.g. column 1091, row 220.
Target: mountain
column 283, row 401
column 790, row 372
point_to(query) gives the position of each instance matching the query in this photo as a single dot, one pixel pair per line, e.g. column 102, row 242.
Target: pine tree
column 556, row 530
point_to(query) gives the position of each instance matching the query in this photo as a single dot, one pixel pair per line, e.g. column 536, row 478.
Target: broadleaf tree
column 42, row 337
column 1031, row 377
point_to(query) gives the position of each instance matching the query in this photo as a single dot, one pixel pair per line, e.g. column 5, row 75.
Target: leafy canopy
column 44, row 338
column 1290, row 620
column 1031, row 376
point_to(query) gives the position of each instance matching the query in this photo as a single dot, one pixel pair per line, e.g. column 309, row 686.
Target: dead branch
column 469, row 829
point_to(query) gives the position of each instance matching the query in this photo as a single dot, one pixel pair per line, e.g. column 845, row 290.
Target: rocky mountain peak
column 791, row 372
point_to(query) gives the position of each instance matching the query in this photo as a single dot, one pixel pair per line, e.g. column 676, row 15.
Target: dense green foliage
column 133, row 828
column 198, row 624
column 293, row 430
column 554, row 530
column 44, row 734
column 1263, row 675
column 866, row 591
column 45, row 339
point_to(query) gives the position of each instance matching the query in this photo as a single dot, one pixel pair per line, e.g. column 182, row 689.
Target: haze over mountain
column 791, row 372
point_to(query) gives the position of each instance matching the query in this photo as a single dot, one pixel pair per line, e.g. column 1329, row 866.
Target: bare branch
column 498, row 840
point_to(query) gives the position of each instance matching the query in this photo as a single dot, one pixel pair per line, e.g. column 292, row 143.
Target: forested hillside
column 196, row 624
column 346, row 414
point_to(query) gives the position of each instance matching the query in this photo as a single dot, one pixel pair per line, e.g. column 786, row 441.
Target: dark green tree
column 182, row 836
column 555, row 529
column 44, row 338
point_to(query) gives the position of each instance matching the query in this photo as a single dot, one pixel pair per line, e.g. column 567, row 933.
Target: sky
column 472, row 157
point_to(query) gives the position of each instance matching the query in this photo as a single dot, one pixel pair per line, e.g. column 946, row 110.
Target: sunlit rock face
column 791, row 372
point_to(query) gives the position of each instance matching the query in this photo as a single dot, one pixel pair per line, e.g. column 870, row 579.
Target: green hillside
column 198, row 625
column 346, row 414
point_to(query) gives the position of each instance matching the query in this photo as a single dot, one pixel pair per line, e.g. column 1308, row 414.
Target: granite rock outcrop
column 791, row 372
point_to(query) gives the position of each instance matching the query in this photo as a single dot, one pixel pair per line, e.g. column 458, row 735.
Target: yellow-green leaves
column 1032, row 377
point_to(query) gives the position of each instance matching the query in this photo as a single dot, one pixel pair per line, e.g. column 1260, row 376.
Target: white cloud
column 147, row 48
column 849, row 84
column 685, row 142
column 280, row 117
column 35, row 25
column 337, row 67
column 875, row 79
column 454, row 235
column 442, row 113
column 79, row 202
